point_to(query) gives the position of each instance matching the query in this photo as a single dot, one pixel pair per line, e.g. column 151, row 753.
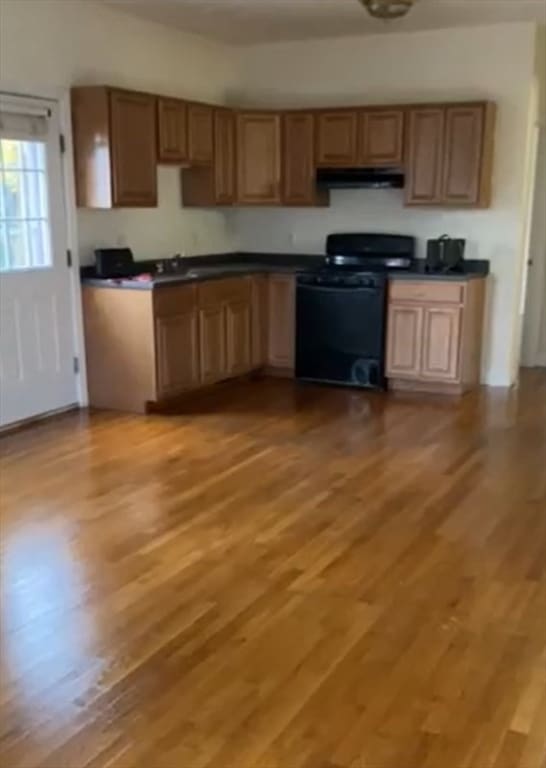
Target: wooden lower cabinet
column 434, row 335
column 177, row 356
column 259, row 315
column 405, row 327
column 281, row 322
column 441, row 337
column 238, row 339
column 212, row 344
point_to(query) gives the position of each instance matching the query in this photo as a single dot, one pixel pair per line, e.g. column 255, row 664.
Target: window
column 24, row 217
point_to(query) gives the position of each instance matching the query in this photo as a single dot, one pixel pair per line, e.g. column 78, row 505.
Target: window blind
column 18, row 121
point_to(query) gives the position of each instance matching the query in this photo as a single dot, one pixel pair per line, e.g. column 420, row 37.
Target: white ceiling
column 244, row 22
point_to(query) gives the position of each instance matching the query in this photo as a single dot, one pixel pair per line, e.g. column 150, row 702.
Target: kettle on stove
column 445, row 254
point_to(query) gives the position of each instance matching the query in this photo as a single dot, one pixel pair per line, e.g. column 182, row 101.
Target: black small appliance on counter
column 445, row 254
column 113, row 263
column 340, row 309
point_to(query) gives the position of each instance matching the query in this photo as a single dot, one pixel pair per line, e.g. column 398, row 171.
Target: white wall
column 46, row 46
column 488, row 62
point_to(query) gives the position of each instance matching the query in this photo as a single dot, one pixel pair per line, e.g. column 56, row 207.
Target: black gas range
column 341, row 308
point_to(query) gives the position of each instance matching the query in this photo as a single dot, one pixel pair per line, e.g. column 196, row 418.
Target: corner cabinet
column 450, row 154
column 115, row 148
column 200, row 134
column 434, row 331
column 214, row 185
column 225, row 308
column 258, row 158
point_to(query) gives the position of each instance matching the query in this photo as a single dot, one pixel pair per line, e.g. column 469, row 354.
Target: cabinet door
column 404, row 333
column 337, row 134
column 425, row 153
column 172, row 122
column 299, row 185
column 258, row 158
column 212, row 343
column 259, row 316
column 441, row 335
column 282, row 326
column 200, row 134
column 177, row 353
column 224, row 156
column 238, row 344
column 463, row 154
column 381, row 137
column 134, row 171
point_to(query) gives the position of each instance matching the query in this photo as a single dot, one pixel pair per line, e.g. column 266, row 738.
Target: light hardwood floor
column 284, row 577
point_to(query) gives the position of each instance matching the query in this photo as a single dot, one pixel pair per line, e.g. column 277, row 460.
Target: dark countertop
column 215, row 267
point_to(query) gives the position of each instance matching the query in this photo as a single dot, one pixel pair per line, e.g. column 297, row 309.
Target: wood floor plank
column 281, row 576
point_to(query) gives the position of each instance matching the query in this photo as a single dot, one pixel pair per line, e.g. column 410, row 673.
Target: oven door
column 340, row 334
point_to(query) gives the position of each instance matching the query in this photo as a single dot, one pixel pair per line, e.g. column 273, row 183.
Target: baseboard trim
column 432, row 387
column 17, row 426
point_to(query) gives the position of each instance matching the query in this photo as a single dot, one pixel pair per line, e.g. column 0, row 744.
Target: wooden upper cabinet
column 381, row 137
column 172, row 131
column 205, row 186
column 468, row 149
column 258, row 158
column 425, row 152
column 134, row 170
column 224, row 157
column 299, row 182
column 450, row 154
column 200, row 134
column 337, row 138
column 114, row 148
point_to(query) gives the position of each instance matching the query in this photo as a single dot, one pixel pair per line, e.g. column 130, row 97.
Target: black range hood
column 360, row 178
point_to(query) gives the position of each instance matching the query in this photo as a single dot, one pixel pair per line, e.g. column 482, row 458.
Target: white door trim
column 62, row 97
column 534, row 310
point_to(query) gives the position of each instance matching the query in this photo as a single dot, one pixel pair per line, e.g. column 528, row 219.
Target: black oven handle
column 339, row 288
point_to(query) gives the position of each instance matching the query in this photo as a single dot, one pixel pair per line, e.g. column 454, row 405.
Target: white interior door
column 36, row 325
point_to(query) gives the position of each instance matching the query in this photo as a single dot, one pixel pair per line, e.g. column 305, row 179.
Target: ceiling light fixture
column 387, row 9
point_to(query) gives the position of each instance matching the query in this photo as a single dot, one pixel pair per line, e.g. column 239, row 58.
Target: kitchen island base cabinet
column 146, row 348
column 434, row 332
column 120, row 348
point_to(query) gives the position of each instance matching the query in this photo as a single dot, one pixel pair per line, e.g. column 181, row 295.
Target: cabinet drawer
column 434, row 292
column 218, row 291
column 174, row 300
